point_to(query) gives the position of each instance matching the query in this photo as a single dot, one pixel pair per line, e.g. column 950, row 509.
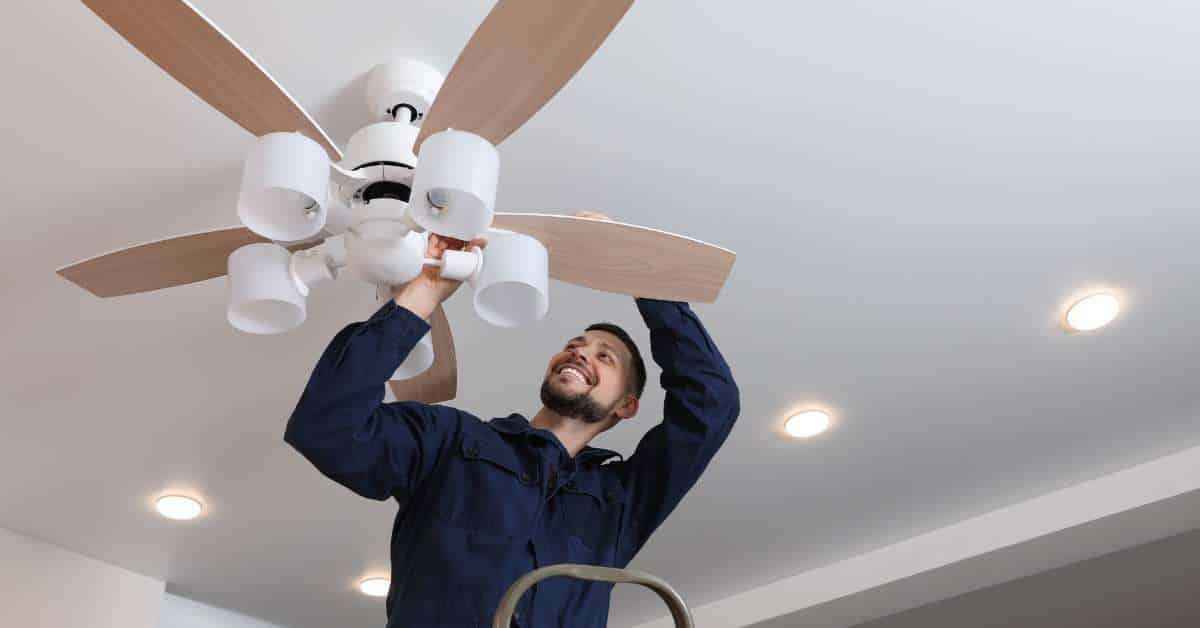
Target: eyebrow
column 604, row 344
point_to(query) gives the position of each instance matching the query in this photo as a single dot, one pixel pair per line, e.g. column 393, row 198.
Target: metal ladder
column 508, row 603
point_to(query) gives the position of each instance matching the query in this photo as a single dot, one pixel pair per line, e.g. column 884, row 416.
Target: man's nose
column 579, row 355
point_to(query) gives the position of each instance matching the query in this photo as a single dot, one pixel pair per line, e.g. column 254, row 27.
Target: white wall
column 43, row 586
column 180, row 612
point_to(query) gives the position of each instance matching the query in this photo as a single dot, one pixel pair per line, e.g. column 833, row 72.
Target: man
column 481, row 504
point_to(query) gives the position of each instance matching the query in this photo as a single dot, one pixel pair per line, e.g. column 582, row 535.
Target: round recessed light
column 375, row 587
column 1093, row 312
column 178, row 507
column 806, row 424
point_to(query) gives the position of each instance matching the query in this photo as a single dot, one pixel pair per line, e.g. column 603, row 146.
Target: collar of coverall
column 515, row 424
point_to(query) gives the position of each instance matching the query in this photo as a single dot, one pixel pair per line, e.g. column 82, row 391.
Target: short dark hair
column 636, row 382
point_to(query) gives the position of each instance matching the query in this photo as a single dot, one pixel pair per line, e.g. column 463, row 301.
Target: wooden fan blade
column 182, row 41
column 624, row 258
column 163, row 263
column 517, row 60
column 439, row 382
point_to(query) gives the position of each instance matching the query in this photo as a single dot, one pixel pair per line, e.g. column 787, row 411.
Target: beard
column 579, row 405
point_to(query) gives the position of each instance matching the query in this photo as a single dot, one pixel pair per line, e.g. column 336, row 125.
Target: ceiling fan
column 309, row 211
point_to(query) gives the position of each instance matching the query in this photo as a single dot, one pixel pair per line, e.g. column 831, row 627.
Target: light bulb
column 178, row 507
column 807, row 424
column 375, row 587
column 1093, row 312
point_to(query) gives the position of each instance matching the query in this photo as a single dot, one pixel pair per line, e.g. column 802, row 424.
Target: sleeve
column 341, row 424
column 700, row 409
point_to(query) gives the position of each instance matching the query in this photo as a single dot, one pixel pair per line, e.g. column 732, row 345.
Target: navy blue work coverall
column 483, row 503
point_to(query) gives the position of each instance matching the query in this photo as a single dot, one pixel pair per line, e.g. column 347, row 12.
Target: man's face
column 587, row 379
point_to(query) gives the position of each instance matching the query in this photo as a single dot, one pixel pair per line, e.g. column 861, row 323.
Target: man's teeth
column 574, row 373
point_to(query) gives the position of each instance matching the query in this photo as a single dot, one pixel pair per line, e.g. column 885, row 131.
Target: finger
column 455, row 243
column 438, row 245
column 477, row 242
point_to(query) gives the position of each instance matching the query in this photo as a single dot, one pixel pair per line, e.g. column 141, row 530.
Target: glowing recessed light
column 178, row 507
column 375, row 587
column 1093, row 312
column 807, row 423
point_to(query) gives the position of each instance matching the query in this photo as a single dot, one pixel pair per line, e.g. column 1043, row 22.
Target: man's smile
column 576, row 371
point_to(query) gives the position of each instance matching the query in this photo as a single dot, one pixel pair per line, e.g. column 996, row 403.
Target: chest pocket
column 592, row 505
column 489, row 487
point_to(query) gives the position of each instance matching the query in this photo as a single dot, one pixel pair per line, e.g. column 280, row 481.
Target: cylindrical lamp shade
column 285, row 187
column 454, row 187
column 262, row 294
column 512, row 287
column 418, row 360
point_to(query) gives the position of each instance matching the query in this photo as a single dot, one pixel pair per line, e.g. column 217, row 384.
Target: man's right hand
column 428, row 290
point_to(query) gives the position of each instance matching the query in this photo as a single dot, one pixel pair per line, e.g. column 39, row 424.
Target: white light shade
column 375, row 587
column 178, row 507
column 458, row 172
column 512, row 286
column 418, row 360
column 285, row 187
column 1093, row 312
column 806, row 424
column 263, row 295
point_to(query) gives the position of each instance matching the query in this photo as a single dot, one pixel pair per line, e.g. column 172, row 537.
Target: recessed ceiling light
column 1093, row 312
column 178, row 507
column 375, row 587
column 806, row 424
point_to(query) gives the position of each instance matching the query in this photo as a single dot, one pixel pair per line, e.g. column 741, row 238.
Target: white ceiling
column 913, row 189
column 1150, row 586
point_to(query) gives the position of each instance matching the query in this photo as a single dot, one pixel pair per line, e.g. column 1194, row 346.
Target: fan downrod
column 401, row 90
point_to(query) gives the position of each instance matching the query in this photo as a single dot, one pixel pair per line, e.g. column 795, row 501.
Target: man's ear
column 628, row 408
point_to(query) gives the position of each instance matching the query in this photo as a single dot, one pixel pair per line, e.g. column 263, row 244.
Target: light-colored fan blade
column 182, row 41
column 440, row 381
column 517, row 60
column 163, row 263
column 624, row 258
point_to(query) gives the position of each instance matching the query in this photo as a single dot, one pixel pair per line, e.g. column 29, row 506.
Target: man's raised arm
column 341, row 423
column 702, row 403
column 343, row 427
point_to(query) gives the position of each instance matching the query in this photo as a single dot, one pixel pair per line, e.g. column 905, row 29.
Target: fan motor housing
column 383, row 152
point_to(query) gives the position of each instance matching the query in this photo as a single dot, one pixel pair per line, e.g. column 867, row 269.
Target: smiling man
column 483, row 503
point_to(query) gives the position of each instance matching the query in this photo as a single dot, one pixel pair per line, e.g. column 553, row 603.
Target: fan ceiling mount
column 308, row 211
